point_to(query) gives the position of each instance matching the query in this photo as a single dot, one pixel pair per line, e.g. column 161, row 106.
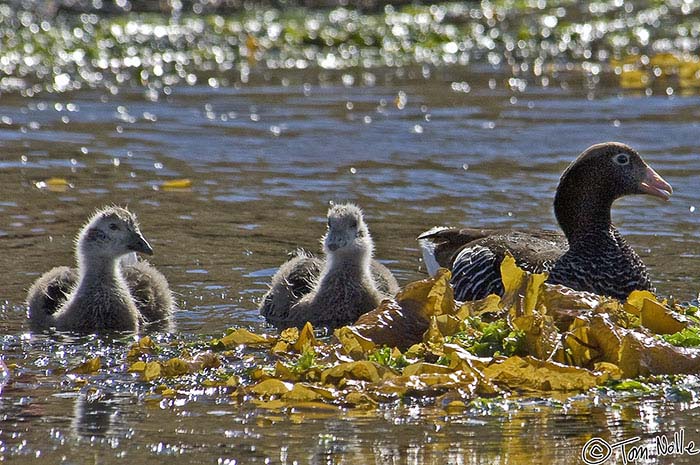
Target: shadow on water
column 265, row 160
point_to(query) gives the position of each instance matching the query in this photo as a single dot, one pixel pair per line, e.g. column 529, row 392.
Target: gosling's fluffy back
column 294, row 279
column 48, row 294
column 151, row 294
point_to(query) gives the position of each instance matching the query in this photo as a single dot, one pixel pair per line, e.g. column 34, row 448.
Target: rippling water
column 265, row 160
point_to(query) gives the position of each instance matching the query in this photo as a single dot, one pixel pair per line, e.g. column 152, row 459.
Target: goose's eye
column 621, row 159
column 113, row 226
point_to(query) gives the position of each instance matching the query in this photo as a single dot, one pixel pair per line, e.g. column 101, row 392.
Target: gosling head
column 111, row 233
column 347, row 232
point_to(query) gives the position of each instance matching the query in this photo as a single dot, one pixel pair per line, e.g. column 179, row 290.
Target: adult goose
column 591, row 255
column 110, row 290
column 335, row 291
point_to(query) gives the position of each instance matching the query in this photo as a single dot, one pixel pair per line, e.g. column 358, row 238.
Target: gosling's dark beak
column 139, row 244
column 334, row 241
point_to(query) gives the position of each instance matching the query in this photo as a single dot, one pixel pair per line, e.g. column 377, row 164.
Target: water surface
column 414, row 149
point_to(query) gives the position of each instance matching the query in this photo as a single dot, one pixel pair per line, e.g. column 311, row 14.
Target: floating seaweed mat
column 424, row 344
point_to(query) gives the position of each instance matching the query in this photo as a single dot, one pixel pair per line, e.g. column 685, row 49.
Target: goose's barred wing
column 476, row 269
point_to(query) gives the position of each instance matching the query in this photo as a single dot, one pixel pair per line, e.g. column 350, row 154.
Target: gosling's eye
column 353, row 224
column 621, row 159
column 113, row 226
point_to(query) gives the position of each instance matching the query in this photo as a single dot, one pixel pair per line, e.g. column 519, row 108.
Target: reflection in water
column 95, row 414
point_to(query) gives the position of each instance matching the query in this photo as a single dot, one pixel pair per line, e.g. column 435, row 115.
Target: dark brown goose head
column 599, row 176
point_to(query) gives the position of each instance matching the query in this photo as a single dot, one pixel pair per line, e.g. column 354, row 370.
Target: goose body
column 110, row 290
column 589, row 255
column 335, row 291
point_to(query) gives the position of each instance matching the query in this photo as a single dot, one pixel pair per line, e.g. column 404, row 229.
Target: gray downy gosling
column 110, row 290
column 333, row 292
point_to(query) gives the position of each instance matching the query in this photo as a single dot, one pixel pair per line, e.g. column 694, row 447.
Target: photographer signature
column 597, row 450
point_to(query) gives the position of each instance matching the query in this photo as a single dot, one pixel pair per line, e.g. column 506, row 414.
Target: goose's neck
column 101, row 301
column 99, row 271
column 581, row 210
column 352, row 266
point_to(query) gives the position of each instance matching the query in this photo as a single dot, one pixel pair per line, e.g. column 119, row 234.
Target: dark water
column 265, row 160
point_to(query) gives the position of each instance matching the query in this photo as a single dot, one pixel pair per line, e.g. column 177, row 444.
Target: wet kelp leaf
column 423, row 385
column 271, row 387
column 635, row 301
column 144, row 346
column 361, row 371
column 353, row 343
column 137, row 367
column 521, row 289
column 151, row 371
column 178, row 366
column 291, row 339
column 393, row 325
column 565, row 304
column 302, row 392
column 281, row 347
column 490, row 304
column 440, row 327
column 660, row 319
column 580, row 350
column 88, row 367
column 54, row 184
column 289, row 335
column 175, row 366
column 656, row 316
column 177, row 184
column 640, row 354
column 646, row 355
column 465, row 362
column 401, row 322
column 306, row 338
column 285, row 372
column 541, row 337
column 424, row 367
column 439, row 299
column 361, row 400
column 521, row 297
column 240, row 336
column 528, row 373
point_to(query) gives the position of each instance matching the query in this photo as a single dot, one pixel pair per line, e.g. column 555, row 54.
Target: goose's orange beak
column 655, row 185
